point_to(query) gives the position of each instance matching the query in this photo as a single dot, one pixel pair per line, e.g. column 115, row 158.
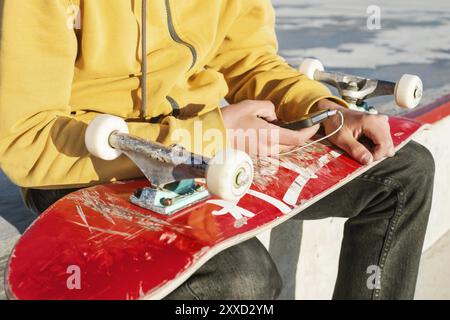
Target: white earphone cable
column 318, row 140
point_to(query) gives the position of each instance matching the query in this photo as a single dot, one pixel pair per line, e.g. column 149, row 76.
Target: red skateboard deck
column 117, row 250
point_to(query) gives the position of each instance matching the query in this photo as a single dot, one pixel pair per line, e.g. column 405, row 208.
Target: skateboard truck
column 355, row 90
column 174, row 172
column 170, row 198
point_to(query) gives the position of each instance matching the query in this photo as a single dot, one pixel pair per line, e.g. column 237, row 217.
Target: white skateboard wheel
column 229, row 174
column 310, row 66
column 97, row 136
column 408, row 91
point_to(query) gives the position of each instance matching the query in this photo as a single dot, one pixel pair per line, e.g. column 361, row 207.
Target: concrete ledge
column 437, row 140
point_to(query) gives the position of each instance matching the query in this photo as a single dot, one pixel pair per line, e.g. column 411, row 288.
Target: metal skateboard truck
column 172, row 171
column 355, row 90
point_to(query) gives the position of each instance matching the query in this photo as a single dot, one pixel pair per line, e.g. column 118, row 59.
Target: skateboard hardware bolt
column 167, row 202
column 199, row 188
column 138, row 193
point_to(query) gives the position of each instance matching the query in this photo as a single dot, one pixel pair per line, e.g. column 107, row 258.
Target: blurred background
column 412, row 37
column 408, row 36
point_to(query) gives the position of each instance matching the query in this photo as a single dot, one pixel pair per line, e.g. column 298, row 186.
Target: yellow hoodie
column 56, row 76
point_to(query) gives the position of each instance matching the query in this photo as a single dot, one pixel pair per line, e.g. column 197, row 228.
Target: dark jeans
column 388, row 209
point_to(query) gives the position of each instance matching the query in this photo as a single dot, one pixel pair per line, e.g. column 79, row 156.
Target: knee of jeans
column 258, row 283
column 420, row 164
column 242, row 272
column 258, row 278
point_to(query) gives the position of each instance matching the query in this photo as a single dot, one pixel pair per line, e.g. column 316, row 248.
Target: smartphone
column 308, row 120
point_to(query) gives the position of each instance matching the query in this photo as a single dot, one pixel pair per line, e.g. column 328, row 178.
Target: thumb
column 355, row 149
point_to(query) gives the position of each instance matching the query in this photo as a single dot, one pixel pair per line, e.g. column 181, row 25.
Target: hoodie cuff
column 300, row 99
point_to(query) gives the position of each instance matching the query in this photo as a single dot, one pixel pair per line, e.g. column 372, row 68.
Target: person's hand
column 358, row 125
column 249, row 129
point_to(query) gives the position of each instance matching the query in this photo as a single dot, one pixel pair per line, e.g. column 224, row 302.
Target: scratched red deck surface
column 125, row 252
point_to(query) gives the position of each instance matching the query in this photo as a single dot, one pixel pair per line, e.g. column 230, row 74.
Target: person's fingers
column 377, row 129
column 382, row 151
column 356, row 150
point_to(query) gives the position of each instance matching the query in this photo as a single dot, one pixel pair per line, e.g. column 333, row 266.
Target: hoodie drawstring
column 144, row 59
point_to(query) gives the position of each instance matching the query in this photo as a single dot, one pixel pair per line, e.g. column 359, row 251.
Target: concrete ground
column 414, row 38
column 14, row 219
column 434, row 273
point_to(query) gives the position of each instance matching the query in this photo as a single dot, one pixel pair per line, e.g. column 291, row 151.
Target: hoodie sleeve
column 41, row 140
column 253, row 70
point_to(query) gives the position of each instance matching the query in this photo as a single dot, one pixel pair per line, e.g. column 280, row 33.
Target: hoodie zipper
column 175, row 106
column 144, row 59
column 175, row 37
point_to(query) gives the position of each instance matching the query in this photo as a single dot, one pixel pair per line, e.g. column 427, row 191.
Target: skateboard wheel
column 310, row 66
column 229, row 174
column 408, row 91
column 97, row 136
